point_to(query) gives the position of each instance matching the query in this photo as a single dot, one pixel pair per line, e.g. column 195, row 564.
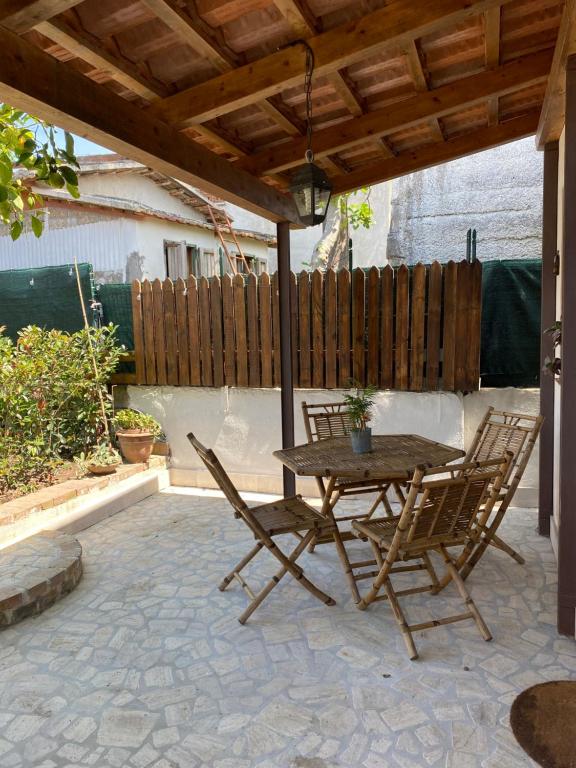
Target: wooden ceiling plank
column 492, row 55
column 36, row 82
column 90, row 49
column 23, row 15
column 195, row 34
column 340, row 47
column 435, row 154
column 553, row 108
column 507, row 78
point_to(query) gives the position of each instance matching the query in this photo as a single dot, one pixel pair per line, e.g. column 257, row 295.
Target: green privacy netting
column 116, row 303
column 510, row 346
column 44, row 296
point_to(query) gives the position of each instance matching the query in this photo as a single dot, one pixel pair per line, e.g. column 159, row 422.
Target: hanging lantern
column 309, row 186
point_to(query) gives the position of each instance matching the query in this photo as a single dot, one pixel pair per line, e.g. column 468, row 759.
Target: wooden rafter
column 507, row 78
column 439, row 152
column 492, row 55
column 421, row 83
column 202, row 39
column 342, row 46
column 63, row 96
column 23, row 15
column 553, row 108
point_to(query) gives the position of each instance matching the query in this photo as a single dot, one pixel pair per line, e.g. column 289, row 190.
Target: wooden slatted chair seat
column 285, row 516
column 441, row 511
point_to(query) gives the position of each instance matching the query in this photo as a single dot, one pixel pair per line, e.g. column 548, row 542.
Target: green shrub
column 127, row 418
column 49, row 392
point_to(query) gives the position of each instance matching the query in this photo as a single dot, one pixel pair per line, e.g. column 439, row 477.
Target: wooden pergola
column 212, row 92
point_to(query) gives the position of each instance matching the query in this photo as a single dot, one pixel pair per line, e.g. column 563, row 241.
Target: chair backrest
column 219, row 474
column 443, row 503
column 325, row 420
column 502, row 431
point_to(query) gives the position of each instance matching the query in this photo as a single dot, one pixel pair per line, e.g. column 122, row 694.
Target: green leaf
column 73, row 191
column 37, row 225
column 69, row 140
column 56, row 180
column 16, row 229
column 69, row 175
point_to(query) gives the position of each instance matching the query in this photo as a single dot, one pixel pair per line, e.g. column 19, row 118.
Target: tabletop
column 393, row 457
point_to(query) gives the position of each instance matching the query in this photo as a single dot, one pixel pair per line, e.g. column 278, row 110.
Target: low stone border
column 17, row 510
column 35, row 573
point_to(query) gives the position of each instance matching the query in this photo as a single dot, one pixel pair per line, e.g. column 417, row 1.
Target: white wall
column 243, row 425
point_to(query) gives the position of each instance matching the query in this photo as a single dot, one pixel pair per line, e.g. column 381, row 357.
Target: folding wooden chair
column 499, row 432
column 440, row 512
column 291, row 515
column 324, row 420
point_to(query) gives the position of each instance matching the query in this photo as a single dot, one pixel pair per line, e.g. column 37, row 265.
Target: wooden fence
column 405, row 329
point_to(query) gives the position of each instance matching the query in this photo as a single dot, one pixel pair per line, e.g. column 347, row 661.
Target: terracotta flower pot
column 136, row 445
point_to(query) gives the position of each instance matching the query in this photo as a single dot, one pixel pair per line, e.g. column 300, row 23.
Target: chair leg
column 431, row 572
column 497, row 542
column 465, row 595
column 288, row 566
column 382, row 498
column 401, row 620
column 242, row 564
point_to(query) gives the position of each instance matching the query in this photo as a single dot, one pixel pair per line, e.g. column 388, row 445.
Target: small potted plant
column 358, row 406
column 103, row 459
column 136, row 432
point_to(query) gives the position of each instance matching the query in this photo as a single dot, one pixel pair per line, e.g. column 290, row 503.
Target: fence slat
column 330, row 329
column 344, row 328
column 304, row 328
column 434, row 310
column 193, row 332
column 265, row 329
column 205, row 340
column 228, row 328
column 136, row 297
column 373, row 327
column 170, row 332
column 240, row 329
column 276, row 331
column 418, row 305
column 253, row 335
column 148, row 322
column 159, row 336
column 217, row 335
column 449, row 331
column 387, row 328
column 358, row 326
column 317, row 299
column 474, row 328
column 402, row 328
column 294, row 326
column 463, row 298
column 182, row 333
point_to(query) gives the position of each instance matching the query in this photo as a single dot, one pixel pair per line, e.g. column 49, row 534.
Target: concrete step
column 36, row 572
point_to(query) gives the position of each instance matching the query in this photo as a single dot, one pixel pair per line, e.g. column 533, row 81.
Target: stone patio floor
column 144, row 665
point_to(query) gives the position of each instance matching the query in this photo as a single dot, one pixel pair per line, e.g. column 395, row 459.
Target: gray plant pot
column 361, row 440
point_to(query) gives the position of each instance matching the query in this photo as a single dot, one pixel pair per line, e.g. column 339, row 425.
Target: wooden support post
column 567, row 527
column 548, row 316
column 286, row 378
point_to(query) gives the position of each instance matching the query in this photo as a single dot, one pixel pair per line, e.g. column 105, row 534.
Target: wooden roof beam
column 553, row 109
column 36, row 82
column 23, row 15
column 421, row 82
column 435, row 154
column 390, row 26
column 507, row 78
column 492, row 55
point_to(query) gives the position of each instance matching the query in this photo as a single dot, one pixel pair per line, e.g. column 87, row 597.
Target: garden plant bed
column 18, row 513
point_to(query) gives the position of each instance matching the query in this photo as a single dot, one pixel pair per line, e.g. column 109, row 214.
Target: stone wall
column 498, row 192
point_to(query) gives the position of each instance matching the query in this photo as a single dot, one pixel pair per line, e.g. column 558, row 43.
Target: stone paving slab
column 145, row 665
